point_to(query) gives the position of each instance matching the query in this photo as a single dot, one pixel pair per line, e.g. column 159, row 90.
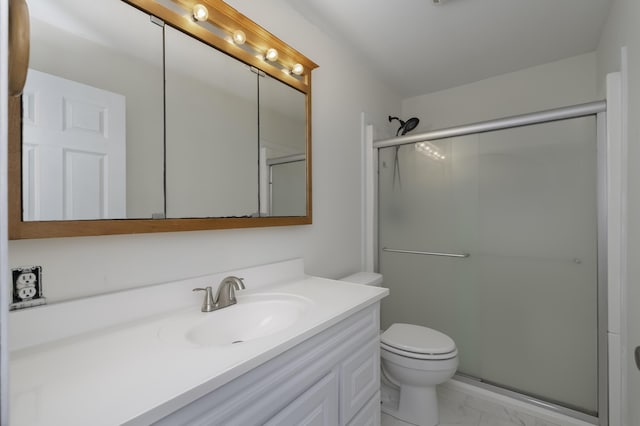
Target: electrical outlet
column 27, row 287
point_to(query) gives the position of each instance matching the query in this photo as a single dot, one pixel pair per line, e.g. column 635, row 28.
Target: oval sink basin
column 254, row 316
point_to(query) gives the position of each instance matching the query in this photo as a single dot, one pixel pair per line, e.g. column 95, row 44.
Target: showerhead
column 411, row 124
column 405, row 126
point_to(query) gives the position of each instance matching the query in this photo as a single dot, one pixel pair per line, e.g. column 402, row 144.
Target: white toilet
column 415, row 359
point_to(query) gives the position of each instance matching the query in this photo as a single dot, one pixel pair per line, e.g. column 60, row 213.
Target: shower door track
column 564, row 113
column 597, row 109
column 517, row 395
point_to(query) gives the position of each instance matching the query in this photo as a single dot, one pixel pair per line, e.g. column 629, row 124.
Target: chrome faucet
column 225, row 296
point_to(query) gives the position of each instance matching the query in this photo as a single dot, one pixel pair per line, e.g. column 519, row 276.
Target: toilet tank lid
column 418, row 339
column 368, row 278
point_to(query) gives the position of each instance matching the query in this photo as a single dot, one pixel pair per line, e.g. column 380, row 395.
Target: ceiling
column 417, row 47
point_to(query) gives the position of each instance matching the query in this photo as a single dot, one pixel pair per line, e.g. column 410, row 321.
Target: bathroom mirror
column 212, row 147
column 92, row 134
column 157, row 123
column 282, row 149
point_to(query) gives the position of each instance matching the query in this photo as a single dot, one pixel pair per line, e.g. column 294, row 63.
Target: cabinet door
column 360, row 379
column 369, row 415
column 318, row 406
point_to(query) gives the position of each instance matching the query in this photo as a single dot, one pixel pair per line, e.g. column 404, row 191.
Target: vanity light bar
column 247, row 35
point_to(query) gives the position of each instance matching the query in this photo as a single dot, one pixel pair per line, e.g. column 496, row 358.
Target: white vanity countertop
column 128, row 374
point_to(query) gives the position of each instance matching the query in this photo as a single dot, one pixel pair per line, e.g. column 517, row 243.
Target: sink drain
column 237, row 341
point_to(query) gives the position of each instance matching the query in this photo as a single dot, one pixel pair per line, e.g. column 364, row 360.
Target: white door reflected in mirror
column 74, row 150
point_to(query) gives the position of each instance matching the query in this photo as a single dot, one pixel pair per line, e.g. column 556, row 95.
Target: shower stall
column 493, row 234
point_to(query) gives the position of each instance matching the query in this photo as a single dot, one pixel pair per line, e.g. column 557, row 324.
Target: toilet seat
column 417, row 342
column 415, row 355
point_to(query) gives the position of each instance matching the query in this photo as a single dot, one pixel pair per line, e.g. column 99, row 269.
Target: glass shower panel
column 522, row 203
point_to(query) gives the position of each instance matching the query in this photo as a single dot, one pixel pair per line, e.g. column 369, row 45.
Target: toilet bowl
column 415, row 359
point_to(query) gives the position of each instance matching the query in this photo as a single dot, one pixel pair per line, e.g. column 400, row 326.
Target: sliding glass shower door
column 522, row 204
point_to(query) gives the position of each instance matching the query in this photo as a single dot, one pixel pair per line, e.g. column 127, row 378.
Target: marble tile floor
column 459, row 409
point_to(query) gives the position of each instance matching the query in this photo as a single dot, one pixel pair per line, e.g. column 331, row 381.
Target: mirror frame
column 226, row 18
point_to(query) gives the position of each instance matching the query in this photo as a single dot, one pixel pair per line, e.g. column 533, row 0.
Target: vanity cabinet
column 332, row 378
column 369, row 415
column 317, row 406
column 169, row 364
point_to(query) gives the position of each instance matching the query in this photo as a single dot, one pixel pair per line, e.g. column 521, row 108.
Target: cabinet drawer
column 318, row 406
column 360, row 379
column 369, row 415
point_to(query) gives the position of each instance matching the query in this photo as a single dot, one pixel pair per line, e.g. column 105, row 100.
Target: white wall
column 342, row 89
column 212, row 149
column 566, row 82
column 282, row 118
column 621, row 30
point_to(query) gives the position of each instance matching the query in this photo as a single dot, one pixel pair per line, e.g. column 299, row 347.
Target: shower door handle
column 637, row 356
column 427, row 253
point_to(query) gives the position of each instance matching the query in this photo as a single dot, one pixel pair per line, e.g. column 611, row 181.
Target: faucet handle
column 208, row 303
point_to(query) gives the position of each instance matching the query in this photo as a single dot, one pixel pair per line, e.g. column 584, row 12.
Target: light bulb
column 200, row 12
column 297, row 69
column 271, row 55
column 239, row 37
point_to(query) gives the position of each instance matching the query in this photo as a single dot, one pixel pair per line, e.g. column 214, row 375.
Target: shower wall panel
column 522, row 202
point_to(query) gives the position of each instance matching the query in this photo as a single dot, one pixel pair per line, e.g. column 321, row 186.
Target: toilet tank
column 366, row 278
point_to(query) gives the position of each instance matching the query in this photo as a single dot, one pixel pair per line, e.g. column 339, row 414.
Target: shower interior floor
column 461, row 404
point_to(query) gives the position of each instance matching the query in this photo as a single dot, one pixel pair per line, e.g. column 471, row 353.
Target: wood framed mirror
column 211, row 133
